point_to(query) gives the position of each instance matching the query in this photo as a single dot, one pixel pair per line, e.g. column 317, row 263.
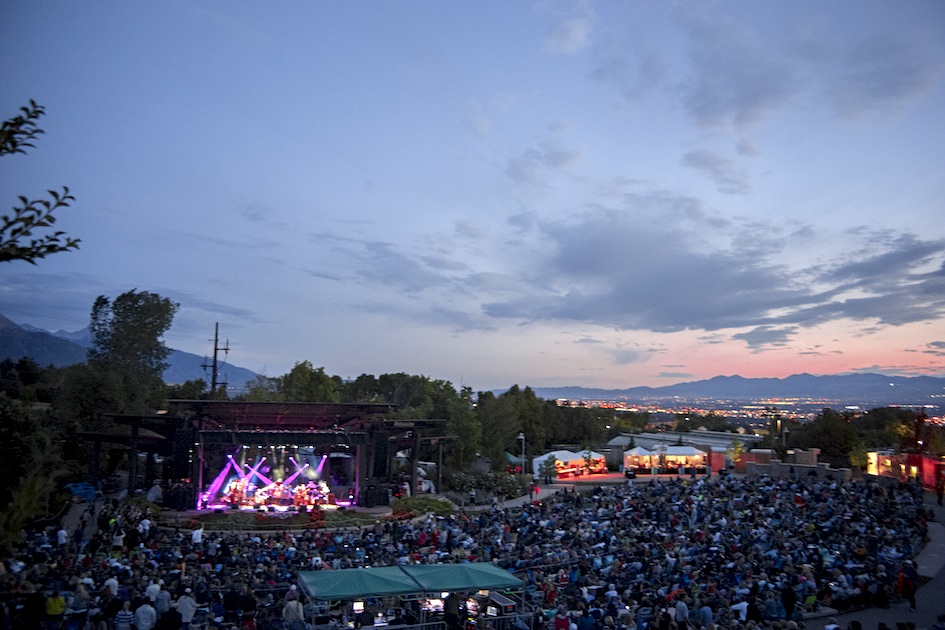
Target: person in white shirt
column 112, row 585
column 153, row 588
column 145, row 616
column 187, row 607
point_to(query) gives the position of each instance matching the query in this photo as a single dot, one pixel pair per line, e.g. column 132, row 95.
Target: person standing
column 187, row 608
column 248, row 606
column 112, row 585
column 162, row 600
column 682, row 613
column 124, row 618
column 940, row 487
column 788, row 600
column 294, row 614
column 145, row 616
column 62, row 538
column 908, row 583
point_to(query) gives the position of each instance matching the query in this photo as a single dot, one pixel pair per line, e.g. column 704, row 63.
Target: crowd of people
column 680, row 553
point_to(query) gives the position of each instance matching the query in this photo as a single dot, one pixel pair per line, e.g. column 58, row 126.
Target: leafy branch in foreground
column 30, row 216
column 16, row 134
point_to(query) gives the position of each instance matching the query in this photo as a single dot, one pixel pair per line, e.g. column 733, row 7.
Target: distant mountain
column 17, row 342
column 863, row 389
column 64, row 348
column 185, row 366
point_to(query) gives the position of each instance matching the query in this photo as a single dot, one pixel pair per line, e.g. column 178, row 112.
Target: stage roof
column 253, row 416
column 347, row 584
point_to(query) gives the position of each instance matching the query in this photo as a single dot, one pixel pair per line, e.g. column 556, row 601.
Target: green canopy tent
column 462, row 577
column 343, row 584
column 348, row 584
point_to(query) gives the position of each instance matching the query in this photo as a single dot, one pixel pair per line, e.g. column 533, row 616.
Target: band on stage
column 242, row 494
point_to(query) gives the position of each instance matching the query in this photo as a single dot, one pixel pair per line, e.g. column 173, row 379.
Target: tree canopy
column 127, row 347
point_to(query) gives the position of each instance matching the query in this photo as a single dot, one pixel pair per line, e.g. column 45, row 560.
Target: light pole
column 521, row 436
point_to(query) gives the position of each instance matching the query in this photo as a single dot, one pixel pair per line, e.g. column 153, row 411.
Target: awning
column 356, row 583
column 347, row 584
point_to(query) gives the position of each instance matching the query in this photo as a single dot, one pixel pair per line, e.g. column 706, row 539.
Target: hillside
column 64, row 348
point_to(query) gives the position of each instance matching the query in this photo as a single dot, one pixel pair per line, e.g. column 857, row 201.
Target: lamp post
column 521, row 436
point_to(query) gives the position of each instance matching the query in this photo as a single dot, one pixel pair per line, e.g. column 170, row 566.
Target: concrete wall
column 790, row 470
column 798, row 456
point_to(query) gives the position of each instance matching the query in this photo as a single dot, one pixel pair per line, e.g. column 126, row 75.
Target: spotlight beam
column 217, row 483
column 254, row 470
column 292, row 477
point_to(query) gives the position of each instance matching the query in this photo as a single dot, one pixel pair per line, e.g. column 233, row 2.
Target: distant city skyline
column 544, row 194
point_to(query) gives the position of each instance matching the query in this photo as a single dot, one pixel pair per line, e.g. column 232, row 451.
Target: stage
column 285, row 478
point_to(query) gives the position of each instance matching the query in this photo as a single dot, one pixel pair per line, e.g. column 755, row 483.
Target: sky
column 603, row 194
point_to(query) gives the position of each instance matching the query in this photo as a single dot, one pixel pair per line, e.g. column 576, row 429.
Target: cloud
column 662, row 264
column 936, row 348
column 324, row 275
column 675, row 375
column 633, row 81
column 629, row 356
column 881, row 73
column 570, row 34
column 49, row 300
column 382, row 263
column 533, row 165
column 478, row 121
column 720, row 170
column 763, row 336
column 735, row 81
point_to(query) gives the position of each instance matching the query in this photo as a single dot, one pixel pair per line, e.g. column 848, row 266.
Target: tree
column 32, row 466
column 261, row 389
column 364, row 389
column 16, row 134
column 859, row 456
column 462, row 422
column 548, row 469
column 735, row 451
column 304, row 383
column 188, row 390
column 127, row 342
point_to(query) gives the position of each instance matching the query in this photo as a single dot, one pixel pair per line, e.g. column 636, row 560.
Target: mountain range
column 64, row 348
column 866, row 390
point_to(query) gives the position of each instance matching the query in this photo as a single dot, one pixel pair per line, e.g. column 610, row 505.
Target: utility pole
column 215, row 365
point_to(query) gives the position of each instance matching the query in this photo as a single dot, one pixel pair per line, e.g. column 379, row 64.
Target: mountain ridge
column 862, row 388
column 64, row 348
